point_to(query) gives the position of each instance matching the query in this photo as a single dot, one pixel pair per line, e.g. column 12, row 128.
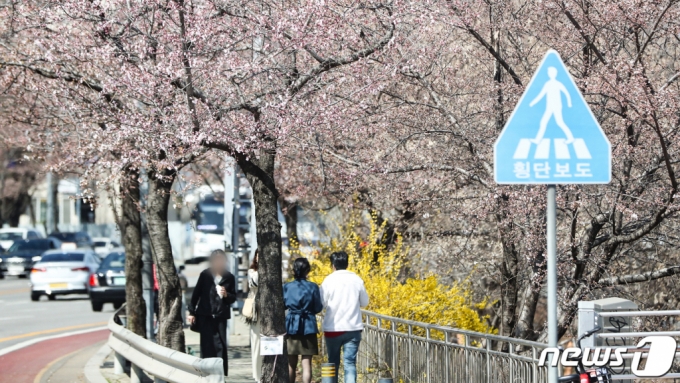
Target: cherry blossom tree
column 164, row 81
column 392, row 106
column 425, row 146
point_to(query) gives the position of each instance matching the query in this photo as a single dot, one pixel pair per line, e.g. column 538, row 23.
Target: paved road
column 50, row 341
column 22, row 320
column 48, row 361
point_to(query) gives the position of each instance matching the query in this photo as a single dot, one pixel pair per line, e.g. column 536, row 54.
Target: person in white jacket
column 343, row 295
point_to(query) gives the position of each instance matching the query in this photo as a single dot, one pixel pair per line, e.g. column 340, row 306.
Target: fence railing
column 164, row 364
column 633, row 335
column 416, row 352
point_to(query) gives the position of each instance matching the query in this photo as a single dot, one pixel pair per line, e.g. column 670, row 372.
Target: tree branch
column 328, row 64
column 246, row 164
column 67, row 76
column 585, row 37
column 438, row 168
column 643, row 277
column 495, row 55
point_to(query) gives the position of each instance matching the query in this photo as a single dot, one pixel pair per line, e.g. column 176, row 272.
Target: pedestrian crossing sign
column 552, row 136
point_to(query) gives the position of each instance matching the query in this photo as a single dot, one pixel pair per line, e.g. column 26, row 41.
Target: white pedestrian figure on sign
column 552, row 90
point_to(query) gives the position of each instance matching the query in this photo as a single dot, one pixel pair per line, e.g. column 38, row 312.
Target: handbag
column 194, row 326
column 248, row 310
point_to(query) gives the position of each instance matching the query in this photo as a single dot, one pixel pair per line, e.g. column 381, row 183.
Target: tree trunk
column 291, row 215
column 171, row 327
column 508, row 274
column 131, row 230
column 270, row 292
column 509, row 291
column 531, row 295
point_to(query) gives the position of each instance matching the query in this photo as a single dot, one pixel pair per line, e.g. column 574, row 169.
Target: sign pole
column 551, row 234
column 552, row 138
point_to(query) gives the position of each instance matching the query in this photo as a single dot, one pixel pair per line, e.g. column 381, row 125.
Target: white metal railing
column 417, row 352
column 164, row 364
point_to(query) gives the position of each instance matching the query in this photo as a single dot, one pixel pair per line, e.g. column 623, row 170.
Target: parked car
column 103, row 246
column 24, row 253
column 107, row 284
column 63, row 272
column 74, row 240
column 10, row 234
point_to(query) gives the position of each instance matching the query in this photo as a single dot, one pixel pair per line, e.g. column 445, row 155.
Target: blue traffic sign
column 552, row 137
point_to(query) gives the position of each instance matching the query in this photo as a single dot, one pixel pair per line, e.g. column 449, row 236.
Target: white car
column 103, row 246
column 10, row 234
column 63, row 272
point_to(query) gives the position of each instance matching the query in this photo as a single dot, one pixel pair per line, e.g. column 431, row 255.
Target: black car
column 24, row 253
column 107, row 285
column 74, row 240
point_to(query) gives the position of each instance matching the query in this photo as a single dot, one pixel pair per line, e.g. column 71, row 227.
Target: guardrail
column 417, row 352
column 164, row 364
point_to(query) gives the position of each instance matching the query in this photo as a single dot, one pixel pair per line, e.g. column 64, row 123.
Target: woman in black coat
column 213, row 295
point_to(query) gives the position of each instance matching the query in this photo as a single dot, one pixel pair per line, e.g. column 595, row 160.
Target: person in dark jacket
column 303, row 302
column 213, row 295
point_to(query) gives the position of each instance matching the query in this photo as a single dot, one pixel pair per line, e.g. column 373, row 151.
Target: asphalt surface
column 50, row 341
column 59, row 360
column 22, row 320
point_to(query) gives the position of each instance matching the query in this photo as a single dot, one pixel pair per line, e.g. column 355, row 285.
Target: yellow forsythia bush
column 422, row 299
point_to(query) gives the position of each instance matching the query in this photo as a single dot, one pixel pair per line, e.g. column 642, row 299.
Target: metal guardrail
column 416, row 352
column 164, row 364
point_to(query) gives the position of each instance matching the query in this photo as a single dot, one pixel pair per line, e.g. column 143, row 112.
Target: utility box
column 589, row 317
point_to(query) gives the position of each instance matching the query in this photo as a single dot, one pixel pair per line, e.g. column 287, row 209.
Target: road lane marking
column 18, row 303
column 49, row 365
column 33, row 309
column 31, row 342
column 21, row 317
column 15, row 291
column 35, row 333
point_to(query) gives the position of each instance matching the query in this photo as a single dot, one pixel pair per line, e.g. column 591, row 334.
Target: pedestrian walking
column 343, row 295
column 209, row 311
column 251, row 318
column 303, row 301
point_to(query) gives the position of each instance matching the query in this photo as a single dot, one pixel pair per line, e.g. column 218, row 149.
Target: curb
column 92, row 367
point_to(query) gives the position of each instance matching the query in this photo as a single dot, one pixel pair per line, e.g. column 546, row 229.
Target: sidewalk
column 239, row 356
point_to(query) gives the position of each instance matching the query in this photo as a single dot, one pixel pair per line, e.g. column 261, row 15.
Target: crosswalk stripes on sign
column 561, row 148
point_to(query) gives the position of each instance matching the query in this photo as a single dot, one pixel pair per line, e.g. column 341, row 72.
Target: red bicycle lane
column 25, row 364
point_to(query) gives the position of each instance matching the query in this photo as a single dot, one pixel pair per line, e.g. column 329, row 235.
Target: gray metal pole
column 148, row 292
column 79, row 206
column 235, row 221
column 50, row 219
column 551, row 234
column 235, row 228
column 228, row 204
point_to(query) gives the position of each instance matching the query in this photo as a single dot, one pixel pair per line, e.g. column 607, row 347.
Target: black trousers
column 213, row 333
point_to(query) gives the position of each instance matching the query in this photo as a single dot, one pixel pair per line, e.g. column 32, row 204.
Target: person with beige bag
column 249, row 313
